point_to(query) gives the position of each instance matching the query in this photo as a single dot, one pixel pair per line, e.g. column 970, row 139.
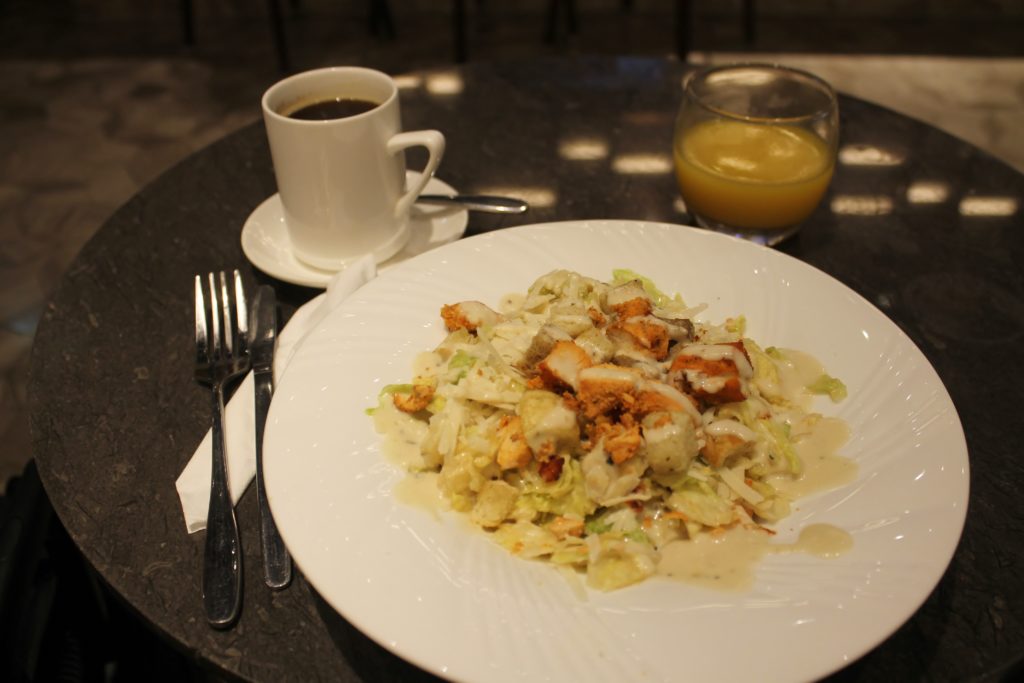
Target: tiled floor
column 99, row 96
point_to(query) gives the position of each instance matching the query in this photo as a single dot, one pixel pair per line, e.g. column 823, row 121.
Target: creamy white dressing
column 721, row 352
column 426, row 366
column 511, row 303
column 824, row 468
column 421, row 490
column 729, row 428
column 796, row 370
column 727, row 560
column 674, row 395
column 402, row 434
column 710, row 384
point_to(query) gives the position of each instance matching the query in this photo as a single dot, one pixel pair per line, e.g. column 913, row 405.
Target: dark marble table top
column 925, row 226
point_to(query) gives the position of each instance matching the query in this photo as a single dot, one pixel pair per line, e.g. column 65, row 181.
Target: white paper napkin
column 239, row 415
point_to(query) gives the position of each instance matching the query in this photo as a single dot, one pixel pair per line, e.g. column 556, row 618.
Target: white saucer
column 266, row 244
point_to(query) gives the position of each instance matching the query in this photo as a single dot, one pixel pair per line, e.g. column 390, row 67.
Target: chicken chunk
column 468, row 315
column 654, row 396
column 561, row 367
column 603, row 388
column 639, row 360
column 629, row 300
column 645, row 332
column 541, row 345
column 712, row 372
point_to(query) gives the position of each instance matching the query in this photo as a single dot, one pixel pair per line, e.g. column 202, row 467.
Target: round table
column 925, row 226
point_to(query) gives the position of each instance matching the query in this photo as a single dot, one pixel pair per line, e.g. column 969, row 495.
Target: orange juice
column 749, row 175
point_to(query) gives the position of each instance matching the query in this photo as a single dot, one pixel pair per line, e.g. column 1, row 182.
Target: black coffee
column 326, row 110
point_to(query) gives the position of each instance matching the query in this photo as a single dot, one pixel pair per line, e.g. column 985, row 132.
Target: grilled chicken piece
column 712, row 372
column 653, row 396
column 629, row 300
column 541, row 345
column 468, row 315
column 603, row 388
column 561, row 367
column 645, row 332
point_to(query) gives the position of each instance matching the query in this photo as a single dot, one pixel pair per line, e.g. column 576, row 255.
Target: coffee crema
column 328, row 109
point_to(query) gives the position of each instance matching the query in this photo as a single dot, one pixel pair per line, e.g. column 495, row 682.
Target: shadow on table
column 369, row 661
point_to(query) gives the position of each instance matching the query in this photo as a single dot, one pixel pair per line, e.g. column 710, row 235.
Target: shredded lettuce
column 567, row 495
column 832, row 386
column 766, row 373
column 621, row 276
column 620, row 562
column 699, row 503
column 737, row 325
column 596, row 526
column 780, row 444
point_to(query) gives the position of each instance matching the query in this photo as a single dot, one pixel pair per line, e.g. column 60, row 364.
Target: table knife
column 277, row 564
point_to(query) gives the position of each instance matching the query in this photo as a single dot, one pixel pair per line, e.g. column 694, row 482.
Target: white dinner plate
column 265, row 237
column 440, row 594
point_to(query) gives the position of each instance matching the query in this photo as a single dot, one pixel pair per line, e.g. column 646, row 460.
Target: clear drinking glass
column 754, row 148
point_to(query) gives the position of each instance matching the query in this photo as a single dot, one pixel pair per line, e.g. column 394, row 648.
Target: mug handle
column 433, row 140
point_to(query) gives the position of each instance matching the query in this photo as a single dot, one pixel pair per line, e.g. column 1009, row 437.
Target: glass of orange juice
column 754, row 148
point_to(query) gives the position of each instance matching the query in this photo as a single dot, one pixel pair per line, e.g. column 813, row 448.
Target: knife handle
column 277, row 563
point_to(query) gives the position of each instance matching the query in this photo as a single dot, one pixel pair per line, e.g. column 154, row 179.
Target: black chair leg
column 381, row 23
column 553, row 33
column 459, row 30
column 280, row 40
column 749, row 22
column 683, row 25
column 571, row 17
column 188, row 31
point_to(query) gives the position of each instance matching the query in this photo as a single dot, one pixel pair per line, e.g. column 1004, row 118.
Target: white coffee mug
column 342, row 180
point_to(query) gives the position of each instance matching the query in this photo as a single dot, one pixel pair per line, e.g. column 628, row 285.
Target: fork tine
column 228, row 324
column 216, row 347
column 202, row 340
column 242, row 315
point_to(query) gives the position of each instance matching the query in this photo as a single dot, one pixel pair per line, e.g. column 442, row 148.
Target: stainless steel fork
column 221, row 356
